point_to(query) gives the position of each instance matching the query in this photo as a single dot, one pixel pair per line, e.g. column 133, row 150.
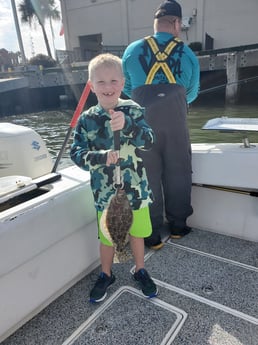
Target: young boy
column 93, row 150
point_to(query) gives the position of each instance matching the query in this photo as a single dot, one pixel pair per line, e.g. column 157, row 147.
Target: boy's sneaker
column 148, row 286
column 99, row 291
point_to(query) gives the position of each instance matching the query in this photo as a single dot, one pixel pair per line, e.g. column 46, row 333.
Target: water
column 53, row 126
column 198, row 116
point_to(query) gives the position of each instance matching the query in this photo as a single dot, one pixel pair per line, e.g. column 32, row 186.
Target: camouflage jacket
column 93, row 138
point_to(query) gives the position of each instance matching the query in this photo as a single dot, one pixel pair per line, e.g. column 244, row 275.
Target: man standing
column 162, row 74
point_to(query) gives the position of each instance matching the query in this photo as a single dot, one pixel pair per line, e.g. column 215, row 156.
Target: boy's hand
column 112, row 157
column 117, row 121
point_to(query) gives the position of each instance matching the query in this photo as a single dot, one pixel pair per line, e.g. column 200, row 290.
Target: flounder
column 115, row 224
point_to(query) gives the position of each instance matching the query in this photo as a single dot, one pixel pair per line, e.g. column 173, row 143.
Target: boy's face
column 107, row 83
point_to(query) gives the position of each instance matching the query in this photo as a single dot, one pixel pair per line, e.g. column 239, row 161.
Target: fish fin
column 103, row 226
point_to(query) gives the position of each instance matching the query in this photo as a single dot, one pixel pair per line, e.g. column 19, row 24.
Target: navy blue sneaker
column 148, row 286
column 99, row 291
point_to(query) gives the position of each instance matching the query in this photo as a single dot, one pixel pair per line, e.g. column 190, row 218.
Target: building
column 94, row 26
column 8, row 59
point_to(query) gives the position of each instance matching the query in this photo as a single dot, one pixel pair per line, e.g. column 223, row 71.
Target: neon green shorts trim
column 141, row 226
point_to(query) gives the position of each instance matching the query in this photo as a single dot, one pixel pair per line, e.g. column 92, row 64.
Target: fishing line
column 242, row 81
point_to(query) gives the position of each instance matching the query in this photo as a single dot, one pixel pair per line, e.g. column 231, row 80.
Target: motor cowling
column 23, row 152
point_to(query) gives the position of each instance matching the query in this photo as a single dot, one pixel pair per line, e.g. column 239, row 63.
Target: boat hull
column 225, row 189
column 50, row 242
column 46, row 245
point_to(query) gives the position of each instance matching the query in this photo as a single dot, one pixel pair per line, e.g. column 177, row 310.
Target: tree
column 43, row 60
column 41, row 10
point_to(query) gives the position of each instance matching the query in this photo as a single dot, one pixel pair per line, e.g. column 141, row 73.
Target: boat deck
column 208, row 295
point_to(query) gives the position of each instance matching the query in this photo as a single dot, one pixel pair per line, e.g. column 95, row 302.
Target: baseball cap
column 168, row 8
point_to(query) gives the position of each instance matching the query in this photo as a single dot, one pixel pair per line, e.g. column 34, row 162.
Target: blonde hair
column 106, row 60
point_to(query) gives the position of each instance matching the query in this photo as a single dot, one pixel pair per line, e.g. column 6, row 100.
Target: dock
column 228, row 70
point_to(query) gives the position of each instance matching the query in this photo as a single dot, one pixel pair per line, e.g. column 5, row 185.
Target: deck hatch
column 191, row 270
column 120, row 320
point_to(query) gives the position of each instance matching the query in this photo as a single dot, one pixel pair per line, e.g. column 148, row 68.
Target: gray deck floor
column 208, row 295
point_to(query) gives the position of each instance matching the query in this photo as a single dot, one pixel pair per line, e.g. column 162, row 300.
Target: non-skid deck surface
column 219, row 295
column 229, row 247
column 208, row 295
column 129, row 318
column 220, row 280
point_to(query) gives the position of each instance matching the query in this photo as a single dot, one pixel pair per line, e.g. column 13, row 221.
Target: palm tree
column 41, row 10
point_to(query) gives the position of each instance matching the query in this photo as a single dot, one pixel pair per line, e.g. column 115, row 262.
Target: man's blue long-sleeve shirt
column 186, row 73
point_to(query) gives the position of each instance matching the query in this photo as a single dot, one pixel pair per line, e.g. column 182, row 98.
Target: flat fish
column 116, row 222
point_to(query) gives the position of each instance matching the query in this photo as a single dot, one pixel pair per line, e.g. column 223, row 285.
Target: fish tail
column 122, row 256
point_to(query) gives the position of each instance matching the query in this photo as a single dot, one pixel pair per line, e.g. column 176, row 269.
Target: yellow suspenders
column 161, row 60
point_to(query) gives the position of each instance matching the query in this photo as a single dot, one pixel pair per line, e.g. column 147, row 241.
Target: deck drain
column 208, row 289
column 101, row 328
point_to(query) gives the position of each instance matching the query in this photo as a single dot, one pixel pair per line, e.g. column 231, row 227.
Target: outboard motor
column 23, row 152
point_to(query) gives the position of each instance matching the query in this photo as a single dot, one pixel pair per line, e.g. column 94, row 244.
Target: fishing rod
column 241, row 81
column 78, row 110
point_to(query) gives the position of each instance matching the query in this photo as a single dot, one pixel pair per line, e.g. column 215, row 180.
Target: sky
column 32, row 38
